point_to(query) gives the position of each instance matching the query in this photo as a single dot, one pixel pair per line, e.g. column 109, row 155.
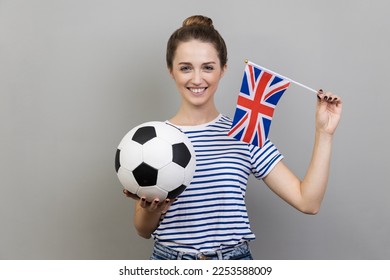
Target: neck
column 194, row 116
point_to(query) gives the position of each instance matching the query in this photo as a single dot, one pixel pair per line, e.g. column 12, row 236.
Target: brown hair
column 200, row 28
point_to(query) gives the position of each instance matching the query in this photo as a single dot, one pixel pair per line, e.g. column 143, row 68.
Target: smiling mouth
column 197, row 91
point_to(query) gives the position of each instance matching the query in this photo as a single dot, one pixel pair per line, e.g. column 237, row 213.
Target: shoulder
column 225, row 118
column 224, row 121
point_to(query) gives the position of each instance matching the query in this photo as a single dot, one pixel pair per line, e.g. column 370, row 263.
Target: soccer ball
column 155, row 160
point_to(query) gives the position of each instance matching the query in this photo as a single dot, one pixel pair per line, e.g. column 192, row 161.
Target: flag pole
column 283, row 77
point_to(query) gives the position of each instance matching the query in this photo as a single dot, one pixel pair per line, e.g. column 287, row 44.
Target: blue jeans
column 239, row 252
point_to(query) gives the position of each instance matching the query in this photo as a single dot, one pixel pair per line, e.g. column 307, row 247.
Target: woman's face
column 196, row 70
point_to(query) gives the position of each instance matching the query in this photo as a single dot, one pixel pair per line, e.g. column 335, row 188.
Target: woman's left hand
column 329, row 107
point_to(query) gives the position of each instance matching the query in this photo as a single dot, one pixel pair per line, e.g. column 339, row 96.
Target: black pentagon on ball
column 144, row 134
column 176, row 192
column 117, row 161
column 181, row 154
column 145, row 175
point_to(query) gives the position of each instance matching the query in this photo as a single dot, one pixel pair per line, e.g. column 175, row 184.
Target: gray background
column 75, row 76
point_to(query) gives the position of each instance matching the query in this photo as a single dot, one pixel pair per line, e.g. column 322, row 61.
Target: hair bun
column 198, row 20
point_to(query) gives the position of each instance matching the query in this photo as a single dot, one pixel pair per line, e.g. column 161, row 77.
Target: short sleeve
column 264, row 159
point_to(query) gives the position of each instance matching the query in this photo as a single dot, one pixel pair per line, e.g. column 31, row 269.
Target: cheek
column 215, row 80
column 178, row 79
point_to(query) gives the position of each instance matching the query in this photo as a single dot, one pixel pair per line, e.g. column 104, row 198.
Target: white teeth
column 197, row 90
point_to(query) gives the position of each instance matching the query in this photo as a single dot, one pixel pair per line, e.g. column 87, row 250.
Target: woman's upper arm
column 285, row 184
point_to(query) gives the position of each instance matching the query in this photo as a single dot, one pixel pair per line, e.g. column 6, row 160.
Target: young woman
column 209, row 219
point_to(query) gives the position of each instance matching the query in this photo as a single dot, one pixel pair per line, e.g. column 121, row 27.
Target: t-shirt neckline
column 194, row 127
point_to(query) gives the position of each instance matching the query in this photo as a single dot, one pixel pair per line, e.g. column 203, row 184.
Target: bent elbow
column 145, row 235
column 311, row 210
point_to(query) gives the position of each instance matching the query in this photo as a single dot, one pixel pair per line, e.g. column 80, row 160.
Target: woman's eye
column 209, row 67
column 185, row 68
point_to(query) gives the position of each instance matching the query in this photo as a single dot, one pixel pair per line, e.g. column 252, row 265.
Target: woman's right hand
column 147, row 215
column 154, row 206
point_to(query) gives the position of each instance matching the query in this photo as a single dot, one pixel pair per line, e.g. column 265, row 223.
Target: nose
column 197, row 78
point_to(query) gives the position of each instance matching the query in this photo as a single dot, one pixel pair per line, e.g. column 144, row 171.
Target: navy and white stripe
column 211, row 213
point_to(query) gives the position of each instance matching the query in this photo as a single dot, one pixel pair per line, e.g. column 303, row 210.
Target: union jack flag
column 258, row 97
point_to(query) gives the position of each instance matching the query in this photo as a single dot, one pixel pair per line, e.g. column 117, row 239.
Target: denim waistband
column 240, row 251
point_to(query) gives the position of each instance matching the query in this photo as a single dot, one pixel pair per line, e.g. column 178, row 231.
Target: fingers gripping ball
column 155, row 160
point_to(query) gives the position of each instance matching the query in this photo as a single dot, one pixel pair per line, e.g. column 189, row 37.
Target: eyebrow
column 186, row 63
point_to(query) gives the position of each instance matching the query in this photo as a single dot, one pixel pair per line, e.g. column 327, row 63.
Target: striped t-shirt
column 211, row 213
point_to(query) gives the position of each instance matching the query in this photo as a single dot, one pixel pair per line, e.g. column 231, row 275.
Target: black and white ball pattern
column 155, row 160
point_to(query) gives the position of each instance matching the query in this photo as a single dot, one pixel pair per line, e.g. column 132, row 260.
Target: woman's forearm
column 145, row 221
column 314, row 184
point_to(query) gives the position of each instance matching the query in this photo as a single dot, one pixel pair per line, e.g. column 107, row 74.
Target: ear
column 170, row 73
column 223, row 70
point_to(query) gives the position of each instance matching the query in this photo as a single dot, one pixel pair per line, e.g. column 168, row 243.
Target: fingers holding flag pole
column 281, row 76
